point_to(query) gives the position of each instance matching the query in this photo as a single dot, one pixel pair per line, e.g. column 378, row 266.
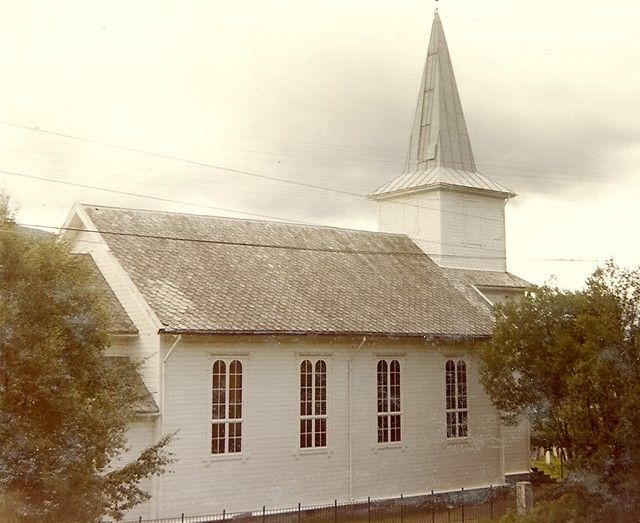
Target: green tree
column 570, row 363
column 63, row 410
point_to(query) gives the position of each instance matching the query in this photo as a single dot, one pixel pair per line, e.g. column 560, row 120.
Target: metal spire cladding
column 439, row 148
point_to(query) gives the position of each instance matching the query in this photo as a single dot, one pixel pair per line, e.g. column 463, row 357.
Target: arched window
column 389, row 411
column 313, row 404
column 226, row 407
column 456, row 399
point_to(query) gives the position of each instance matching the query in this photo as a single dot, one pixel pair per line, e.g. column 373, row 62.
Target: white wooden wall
column 273, row 471
column 457, row 229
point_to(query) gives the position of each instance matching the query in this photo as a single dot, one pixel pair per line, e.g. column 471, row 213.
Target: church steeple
column 439, row 135
column 439, row 147
column 441, row 201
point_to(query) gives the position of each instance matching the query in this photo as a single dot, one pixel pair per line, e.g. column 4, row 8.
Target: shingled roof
column 119, row 321
column 204, row 274
column 491, row 279
column 144, row 402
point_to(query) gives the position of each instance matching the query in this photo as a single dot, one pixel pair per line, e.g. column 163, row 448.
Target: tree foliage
column 570, row 362
column 63, row 410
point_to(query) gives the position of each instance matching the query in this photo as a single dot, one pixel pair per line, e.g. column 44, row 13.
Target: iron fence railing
column 462, row 506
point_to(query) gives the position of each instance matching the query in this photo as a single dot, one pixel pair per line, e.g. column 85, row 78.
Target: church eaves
column 440, row 153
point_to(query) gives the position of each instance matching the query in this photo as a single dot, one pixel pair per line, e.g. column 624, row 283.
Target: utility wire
column 147, row 196
column 228, row 169
column 139, row 195
column 495, row 162
column 178, row 159
column 288, row 247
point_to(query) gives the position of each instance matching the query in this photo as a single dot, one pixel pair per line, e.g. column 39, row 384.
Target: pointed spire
column 439, row 147
column 439, row 135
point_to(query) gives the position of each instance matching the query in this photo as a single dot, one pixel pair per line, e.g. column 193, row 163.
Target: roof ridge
column 251, row 220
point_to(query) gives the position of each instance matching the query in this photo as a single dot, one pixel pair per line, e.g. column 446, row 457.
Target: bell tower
column 441, row 201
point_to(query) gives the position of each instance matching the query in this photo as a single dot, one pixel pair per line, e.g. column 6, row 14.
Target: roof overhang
column 311, row 333
column 506, row 195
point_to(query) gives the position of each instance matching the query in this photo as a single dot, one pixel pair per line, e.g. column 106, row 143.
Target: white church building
column 303, row 364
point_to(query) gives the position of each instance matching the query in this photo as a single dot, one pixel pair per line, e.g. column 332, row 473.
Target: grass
column 552, row 470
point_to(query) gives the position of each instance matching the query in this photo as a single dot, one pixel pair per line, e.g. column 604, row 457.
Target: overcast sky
column 323, row 93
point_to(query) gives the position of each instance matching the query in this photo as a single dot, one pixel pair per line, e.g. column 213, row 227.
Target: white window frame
column 226, row 420
column 457, row 411
column 313, row 360
column 388, row 413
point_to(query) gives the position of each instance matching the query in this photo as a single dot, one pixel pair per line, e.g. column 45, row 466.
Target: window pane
column 451, row 398
column 320, row 407
column 395, row 428
column 219, row 368
column 302, row 433
column 305, row 433
column 451, row 368
column 383, row 377
column 306, row 384
column 217, row 438
column 305, row 401
column 451, row 425
column 462, row 424
column 462, row 396
column 235, row 437
column 321, row 432
column 309, row 433
column 462, row 384
column 394, row 405
column 218, row 410
column 383, row 426
column 305, row 372
column 235, row 375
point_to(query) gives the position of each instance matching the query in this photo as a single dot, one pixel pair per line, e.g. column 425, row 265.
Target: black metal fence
column 461, row 506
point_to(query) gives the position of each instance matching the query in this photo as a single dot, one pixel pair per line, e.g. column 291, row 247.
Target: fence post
column 524, row 497
column 491, row 499
column 433, row 509
column 463, row 503
column 335, row 510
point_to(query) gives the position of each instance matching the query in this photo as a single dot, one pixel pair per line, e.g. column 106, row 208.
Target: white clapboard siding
column 273, row 471
column 456, row 228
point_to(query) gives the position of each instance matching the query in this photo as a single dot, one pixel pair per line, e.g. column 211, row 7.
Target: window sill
column 458, row 441
column 310, row 451
column 394, row 445
column 235, row 456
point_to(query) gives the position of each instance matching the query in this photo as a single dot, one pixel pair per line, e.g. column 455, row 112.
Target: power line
column 332, row 147
column 228, row 169
column 289, row 247
column 159, row 198
column 140, row 195
column 263, row 216
column 177, row 158
column 214, row 166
